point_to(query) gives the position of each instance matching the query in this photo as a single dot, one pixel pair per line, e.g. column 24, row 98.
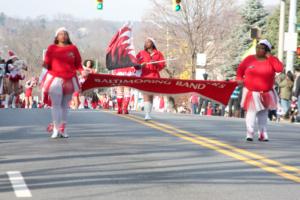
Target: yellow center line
column 256, row 160
column 235, row 149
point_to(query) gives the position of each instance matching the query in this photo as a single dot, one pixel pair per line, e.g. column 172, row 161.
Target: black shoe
column 249, row 139
column 263, row 140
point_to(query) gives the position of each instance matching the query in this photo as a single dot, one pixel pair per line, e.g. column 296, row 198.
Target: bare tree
column 201, row 26
column 29, row 37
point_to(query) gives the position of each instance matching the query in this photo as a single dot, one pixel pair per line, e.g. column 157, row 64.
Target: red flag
column 120, row 52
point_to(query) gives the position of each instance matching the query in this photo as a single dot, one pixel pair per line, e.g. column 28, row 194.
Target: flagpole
column 160, row 61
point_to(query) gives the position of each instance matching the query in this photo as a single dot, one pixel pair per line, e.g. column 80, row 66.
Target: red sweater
column 63, row 61
column 151, row 70
column 259, row 75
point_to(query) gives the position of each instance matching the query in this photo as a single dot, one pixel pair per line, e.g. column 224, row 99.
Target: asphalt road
column 122, row 157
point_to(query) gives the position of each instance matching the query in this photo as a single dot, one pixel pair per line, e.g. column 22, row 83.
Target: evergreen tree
column 253, row 15
column 272, row 29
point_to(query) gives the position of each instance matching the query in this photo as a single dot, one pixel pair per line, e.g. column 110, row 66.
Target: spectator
column 2, row 73
column 194, row 100
column 29, row 85
column 209, row 109
column 285, row 88
column 218, row 110
column 171, row 106
column 203, row 100
column 234, row 102
column 296, row 91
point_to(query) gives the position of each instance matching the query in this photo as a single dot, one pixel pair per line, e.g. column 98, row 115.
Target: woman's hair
column 153, row 45
column 86, row 61
column 67, row 42
column 8, row 62
column 290, row 75
column 267, row 49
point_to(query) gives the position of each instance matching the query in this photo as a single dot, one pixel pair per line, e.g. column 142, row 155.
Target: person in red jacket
column 29, row 85
column 62, row 61
column 257, row 74
column 152, row 62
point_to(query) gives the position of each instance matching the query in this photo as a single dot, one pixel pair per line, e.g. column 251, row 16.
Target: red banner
column 219, row 91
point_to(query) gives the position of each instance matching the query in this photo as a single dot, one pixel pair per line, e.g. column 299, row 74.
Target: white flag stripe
column 126, row 34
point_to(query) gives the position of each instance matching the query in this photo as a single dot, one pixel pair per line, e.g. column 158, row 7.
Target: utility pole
column 168, row 46
column 281, row 30
column 292, row 30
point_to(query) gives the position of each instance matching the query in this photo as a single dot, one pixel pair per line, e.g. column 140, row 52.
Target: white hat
column 266, row 42
column 60, row 30
column 152, row 40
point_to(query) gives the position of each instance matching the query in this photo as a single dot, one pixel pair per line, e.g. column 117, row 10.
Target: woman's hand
column 240, row 82
column 85, row 73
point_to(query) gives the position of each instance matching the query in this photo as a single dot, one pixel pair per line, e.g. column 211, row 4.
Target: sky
column 115, row 10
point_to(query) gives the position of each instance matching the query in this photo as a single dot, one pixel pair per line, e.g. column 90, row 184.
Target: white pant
column 60, row 103
column 261, row 117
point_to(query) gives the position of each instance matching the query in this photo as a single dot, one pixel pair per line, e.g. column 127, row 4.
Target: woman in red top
column 257, row 74
column 62, row 60
column 29, row 85
column 148, row 58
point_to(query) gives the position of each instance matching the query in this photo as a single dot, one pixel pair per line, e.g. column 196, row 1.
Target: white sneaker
column 249, row 136
column 81, row 107
column 54, row 134
column 147, row 117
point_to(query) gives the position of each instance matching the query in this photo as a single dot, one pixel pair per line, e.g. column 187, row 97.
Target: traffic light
column 298, row 52
column 176, row 5
column 100, row 4
column 255, row 33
